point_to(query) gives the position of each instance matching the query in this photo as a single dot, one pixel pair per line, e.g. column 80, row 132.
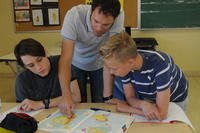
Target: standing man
column 85, row 28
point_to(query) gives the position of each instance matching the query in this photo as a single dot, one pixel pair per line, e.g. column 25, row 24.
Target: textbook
column 87, row 121
column 175, row 114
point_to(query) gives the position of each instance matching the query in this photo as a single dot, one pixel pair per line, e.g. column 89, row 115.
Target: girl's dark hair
column 108, row 7
column 28, row 47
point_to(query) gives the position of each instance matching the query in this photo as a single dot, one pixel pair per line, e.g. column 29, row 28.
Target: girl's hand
column 28, row 105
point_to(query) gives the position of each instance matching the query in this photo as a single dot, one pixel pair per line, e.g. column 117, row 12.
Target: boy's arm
column 126, row 108
column 129, row 107
column 129, row 92
column 149, row 110
column 162, row 102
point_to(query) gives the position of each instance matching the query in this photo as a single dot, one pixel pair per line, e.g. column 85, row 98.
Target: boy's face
column 37, row 64
column 118, row 68
column 100, row 22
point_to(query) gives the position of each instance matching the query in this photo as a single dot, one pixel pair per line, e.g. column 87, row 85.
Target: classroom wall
column 182, row 44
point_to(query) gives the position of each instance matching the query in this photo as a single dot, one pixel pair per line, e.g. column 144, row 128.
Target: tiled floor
column 7, row 85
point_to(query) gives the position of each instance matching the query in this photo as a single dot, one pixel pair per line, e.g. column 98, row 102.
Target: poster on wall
column 50, row 0
column 22, row 16
column 36, row 2
column 37, row 17
column 88, row 2
column 21, row 4
column 53, row 16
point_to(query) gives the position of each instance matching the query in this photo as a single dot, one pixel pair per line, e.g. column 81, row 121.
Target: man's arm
column 67, row 104
column 108, row 81
column 75, row 90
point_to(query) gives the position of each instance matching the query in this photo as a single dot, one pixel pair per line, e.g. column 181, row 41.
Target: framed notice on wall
column 37, row 17
column 22, row 16
column 36, row 2
column 53, row 16
column 21, row 4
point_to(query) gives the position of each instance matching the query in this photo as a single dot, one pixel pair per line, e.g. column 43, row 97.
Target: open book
column 175, row 113
column 87, row 121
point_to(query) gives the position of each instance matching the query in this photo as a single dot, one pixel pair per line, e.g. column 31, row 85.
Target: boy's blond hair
column 121, row 46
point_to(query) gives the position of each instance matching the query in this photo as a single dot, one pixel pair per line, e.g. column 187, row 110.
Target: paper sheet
column 175, row 113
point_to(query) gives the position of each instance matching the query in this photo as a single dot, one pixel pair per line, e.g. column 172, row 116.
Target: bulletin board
column 26, row 24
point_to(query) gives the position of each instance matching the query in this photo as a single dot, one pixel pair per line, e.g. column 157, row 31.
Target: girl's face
column 37, row 64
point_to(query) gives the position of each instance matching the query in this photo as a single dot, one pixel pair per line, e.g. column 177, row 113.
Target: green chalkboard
column 170, row 13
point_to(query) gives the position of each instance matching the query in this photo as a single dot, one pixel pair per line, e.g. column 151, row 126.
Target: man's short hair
column 108, row 7
column 28, row 47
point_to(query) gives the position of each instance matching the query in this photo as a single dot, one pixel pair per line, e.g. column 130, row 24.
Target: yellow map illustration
column 63, row 119
column 101, row 117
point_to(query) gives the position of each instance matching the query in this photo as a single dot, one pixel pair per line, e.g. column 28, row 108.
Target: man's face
column 37, row 64
column 118, row 68
column 100, row 22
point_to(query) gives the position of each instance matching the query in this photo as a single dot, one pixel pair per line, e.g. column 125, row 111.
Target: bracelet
column 46, row 103
column 107, row 98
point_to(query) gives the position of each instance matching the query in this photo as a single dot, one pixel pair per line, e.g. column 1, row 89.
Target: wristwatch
column 107, row 98
column 46, row 103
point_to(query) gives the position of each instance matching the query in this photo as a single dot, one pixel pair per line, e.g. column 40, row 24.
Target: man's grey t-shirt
column 77, row 27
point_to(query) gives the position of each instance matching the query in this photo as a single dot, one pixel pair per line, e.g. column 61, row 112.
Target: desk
column 8, row 59
column 146, row 43
column 52, row 50
column 136, row 127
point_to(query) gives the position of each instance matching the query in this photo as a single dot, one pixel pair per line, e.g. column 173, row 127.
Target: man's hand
column 28, row 105
column 66, row 106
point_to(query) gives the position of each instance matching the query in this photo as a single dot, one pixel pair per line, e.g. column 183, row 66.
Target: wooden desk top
column 136, row 127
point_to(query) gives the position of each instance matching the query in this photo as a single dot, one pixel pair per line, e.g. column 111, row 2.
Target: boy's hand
column 122, row 106
column 113, row 101
column 150, row 111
